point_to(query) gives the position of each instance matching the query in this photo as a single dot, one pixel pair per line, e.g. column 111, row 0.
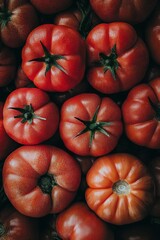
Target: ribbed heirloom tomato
column 120, row 188
column 54, row 57
column 90, row 125
column 117, row 57
column 29, row 116
column 39, row 180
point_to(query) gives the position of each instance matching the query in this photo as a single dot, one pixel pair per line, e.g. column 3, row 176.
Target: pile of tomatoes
column 79, row 120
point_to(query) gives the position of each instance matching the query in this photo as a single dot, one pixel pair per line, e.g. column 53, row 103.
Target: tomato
column 17, row 19
column 155, row 170
column 120, row 188
column 81, row 18
column 15, row 226
column 90, row 125
column 51, row 60
column 141, row 114
column 132, row 11
column 6, row 143
column 44, row 179
column 152, row 35
column 50, row 6
column 29, row 117
column 79, row 222
column 117, row 57
column 21, row 79
column 8, row 65
column 137, row 231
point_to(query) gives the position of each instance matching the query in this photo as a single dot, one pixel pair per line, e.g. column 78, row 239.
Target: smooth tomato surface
column 120, row 188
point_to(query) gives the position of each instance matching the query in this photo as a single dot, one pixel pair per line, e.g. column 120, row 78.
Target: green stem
column 46, row 182
column 2, row 229
column 5, row 14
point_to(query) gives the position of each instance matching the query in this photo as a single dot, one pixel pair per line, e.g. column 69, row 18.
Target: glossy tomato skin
column 152, row 35
column 44, row 179
column 141, row 114
column 15, row 226
column 79, row 222
column 117, row 57
column 67, row 68
column 120, row 189
column 50, row 7
column 128, row 11
column 80, row 124
column 6, row 143
column 8, row 65
column 30, row 128
column 20, row 20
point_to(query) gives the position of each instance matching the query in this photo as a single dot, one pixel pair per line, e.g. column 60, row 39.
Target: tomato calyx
column 5, row 15
column 50, row 60
column 156, row 108
column 109, row 62
column 27, row 114
column 46, row 182
column 93, row 126
column 2, row 229
column 121, row 187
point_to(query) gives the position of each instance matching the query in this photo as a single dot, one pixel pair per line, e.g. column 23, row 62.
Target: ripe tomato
column 141, row 114
column 117, row 57
column 21, row 79
column 90, row 125
column 44, row 179
column 8, row 65
column 17, row 20
column 51, row 60
column 29, row 117
column 152, row 35
column 6, row 143
column 120, row 188
column 15, row 226
column 132, row 11
column 50, row 6
column 79, row 222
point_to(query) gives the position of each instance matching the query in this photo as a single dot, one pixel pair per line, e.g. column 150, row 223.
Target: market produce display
column 79, row 120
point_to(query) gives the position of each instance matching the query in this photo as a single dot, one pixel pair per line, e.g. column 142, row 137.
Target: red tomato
column 50, row 6
column 8, row 66
column 18, row 19
column 117, row 57
column 29, row 117
column 15, row 226
column 132, row 11
column 6, row 143
column 120, row 188
column 51, row 60
column 79, row 222
column 90, row 125
column 21, row 79
column 44, row 179
column 152, row 35
column 141, row 114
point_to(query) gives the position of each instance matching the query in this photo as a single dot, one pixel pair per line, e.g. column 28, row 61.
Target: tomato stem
column 93, row 126
column 5, row 15
column 2, row 229
column 121, row 187
column 27, row 114
column 46, row 183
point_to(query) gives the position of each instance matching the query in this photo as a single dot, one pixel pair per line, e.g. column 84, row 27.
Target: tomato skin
column 37, row 131
column 50, row 7
column 53, row 37
column 21, row 80
column 79, row 222
column 116, row 181
column 22, row 21
column 152, row 35
column 8, row 65
column 17, row 226
column 128, row 11
column 141, row 120
column 128, row 61
column 29, row 167
column 84, row 107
